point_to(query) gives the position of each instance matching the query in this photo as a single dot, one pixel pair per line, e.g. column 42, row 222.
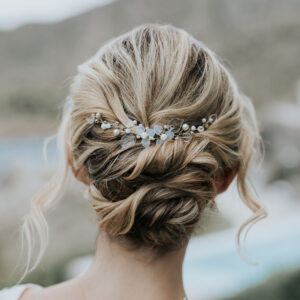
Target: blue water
column 29, row 150
column 213, row 268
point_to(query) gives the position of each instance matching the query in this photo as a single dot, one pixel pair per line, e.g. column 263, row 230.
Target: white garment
column 15, row 292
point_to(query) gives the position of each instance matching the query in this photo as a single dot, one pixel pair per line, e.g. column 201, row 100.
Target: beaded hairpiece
column 173, row 130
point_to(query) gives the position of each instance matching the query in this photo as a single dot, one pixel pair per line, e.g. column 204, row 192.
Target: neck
column 118, row 273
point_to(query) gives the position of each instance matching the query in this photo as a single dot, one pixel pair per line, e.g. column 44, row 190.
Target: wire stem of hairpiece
column 176, row 128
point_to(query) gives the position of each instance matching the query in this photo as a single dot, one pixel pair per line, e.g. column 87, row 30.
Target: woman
column 156, row 127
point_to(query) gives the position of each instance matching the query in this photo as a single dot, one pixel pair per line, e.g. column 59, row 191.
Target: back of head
column 154, row 196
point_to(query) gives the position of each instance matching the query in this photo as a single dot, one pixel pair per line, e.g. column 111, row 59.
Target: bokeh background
column 41, row 44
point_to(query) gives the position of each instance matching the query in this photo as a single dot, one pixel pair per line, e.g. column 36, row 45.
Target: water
column 213, row 268
column 14, row 151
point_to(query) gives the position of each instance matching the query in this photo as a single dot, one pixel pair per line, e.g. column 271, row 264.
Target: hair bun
column 157, row 215
column 159, row 202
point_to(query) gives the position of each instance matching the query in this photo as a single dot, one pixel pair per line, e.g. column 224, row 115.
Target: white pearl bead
column 144, row 135
column 134, row 122
column 103, row 126
column 116, row 132
column 185, row 126
column 97, row 115
column 163, row 137
column 138, row 136
column 211, row 119
column 193, row 128
column 200, row 128
column 108, row 125
column 127, row 130
column 203, row 120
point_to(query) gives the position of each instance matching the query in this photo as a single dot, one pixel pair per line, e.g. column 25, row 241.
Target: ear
column 79, row 174
column 224, row 179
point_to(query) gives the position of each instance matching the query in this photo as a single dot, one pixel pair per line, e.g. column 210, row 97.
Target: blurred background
column 41, row 44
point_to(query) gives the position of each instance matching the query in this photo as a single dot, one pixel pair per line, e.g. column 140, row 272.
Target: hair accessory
column 175, row 129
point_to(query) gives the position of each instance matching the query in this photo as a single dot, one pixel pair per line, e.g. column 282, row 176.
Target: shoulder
column 15, row 292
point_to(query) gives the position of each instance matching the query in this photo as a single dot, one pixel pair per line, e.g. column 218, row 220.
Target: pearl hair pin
column 176, row 128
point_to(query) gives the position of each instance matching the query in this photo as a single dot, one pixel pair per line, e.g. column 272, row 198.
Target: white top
column 16, row 291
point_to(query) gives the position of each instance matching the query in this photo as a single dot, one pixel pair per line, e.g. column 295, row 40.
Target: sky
column 16, row 13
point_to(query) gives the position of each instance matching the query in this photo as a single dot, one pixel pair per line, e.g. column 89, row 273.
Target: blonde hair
column 151, row 197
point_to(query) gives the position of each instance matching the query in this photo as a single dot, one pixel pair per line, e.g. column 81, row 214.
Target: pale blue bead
column 150, row 132
column 144, row 135
column 128, row 140
column 139, row 129
column 157, row 141
column 158, row 129
column 163, row 137
column 146, row 143
column 170, row 135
